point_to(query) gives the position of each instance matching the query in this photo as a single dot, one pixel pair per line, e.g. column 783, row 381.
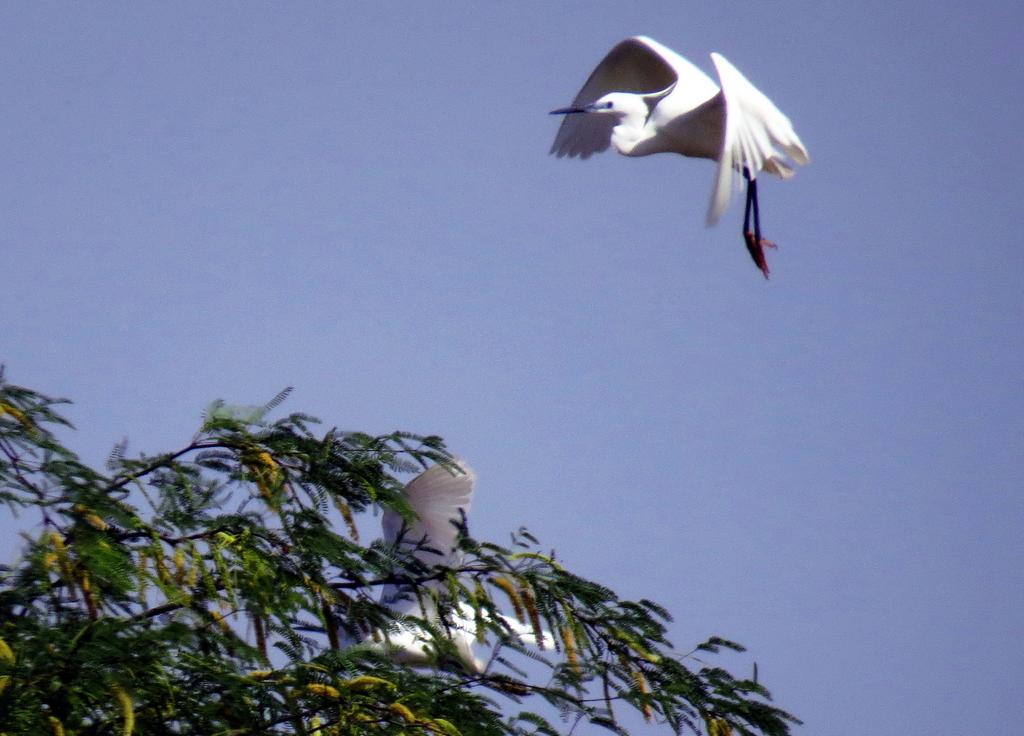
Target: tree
column 222, row 588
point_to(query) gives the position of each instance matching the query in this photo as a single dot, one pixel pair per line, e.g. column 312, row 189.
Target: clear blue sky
column 219, row 200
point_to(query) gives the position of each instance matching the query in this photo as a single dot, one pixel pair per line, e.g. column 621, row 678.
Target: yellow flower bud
column 513, row 596
column 402, row 710
column 316, row 688
column 127, row 709
column 368, row 682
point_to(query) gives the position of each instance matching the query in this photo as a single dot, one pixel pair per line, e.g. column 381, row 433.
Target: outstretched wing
column 634, row 65
column 441, row 499
column 755, row 130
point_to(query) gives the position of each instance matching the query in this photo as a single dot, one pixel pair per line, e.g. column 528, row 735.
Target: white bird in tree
column 644, row 98
column 440, row 499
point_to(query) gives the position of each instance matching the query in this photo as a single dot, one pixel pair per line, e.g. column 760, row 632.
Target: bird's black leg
column 750, row 200
column 757, row 210
column 755, row 243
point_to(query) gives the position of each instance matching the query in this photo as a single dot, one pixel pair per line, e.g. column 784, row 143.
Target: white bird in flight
column 644, row 98
column 440, row 498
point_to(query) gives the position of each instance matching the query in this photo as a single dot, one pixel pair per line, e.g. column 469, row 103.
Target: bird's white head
column 622, row 104
column 627, row 114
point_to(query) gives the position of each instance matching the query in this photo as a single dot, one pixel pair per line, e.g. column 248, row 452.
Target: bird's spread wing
column 698, row 86
column 440, row 498
column 634, row 65
column 755, row 130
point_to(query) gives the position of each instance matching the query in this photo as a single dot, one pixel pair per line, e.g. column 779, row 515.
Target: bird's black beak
column 568, row 110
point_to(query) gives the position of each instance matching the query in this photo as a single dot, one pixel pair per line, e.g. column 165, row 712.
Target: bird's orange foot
column 756, row 246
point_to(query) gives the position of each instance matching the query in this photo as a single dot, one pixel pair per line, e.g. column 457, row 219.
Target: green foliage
column 222, row 589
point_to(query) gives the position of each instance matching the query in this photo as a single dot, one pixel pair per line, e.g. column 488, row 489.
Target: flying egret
column 644, row 98
column 440, row 498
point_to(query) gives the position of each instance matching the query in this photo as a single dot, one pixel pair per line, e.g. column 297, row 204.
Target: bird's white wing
column 690, row 82
column 638, row 65
column 440, row 500
column 755, row 130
